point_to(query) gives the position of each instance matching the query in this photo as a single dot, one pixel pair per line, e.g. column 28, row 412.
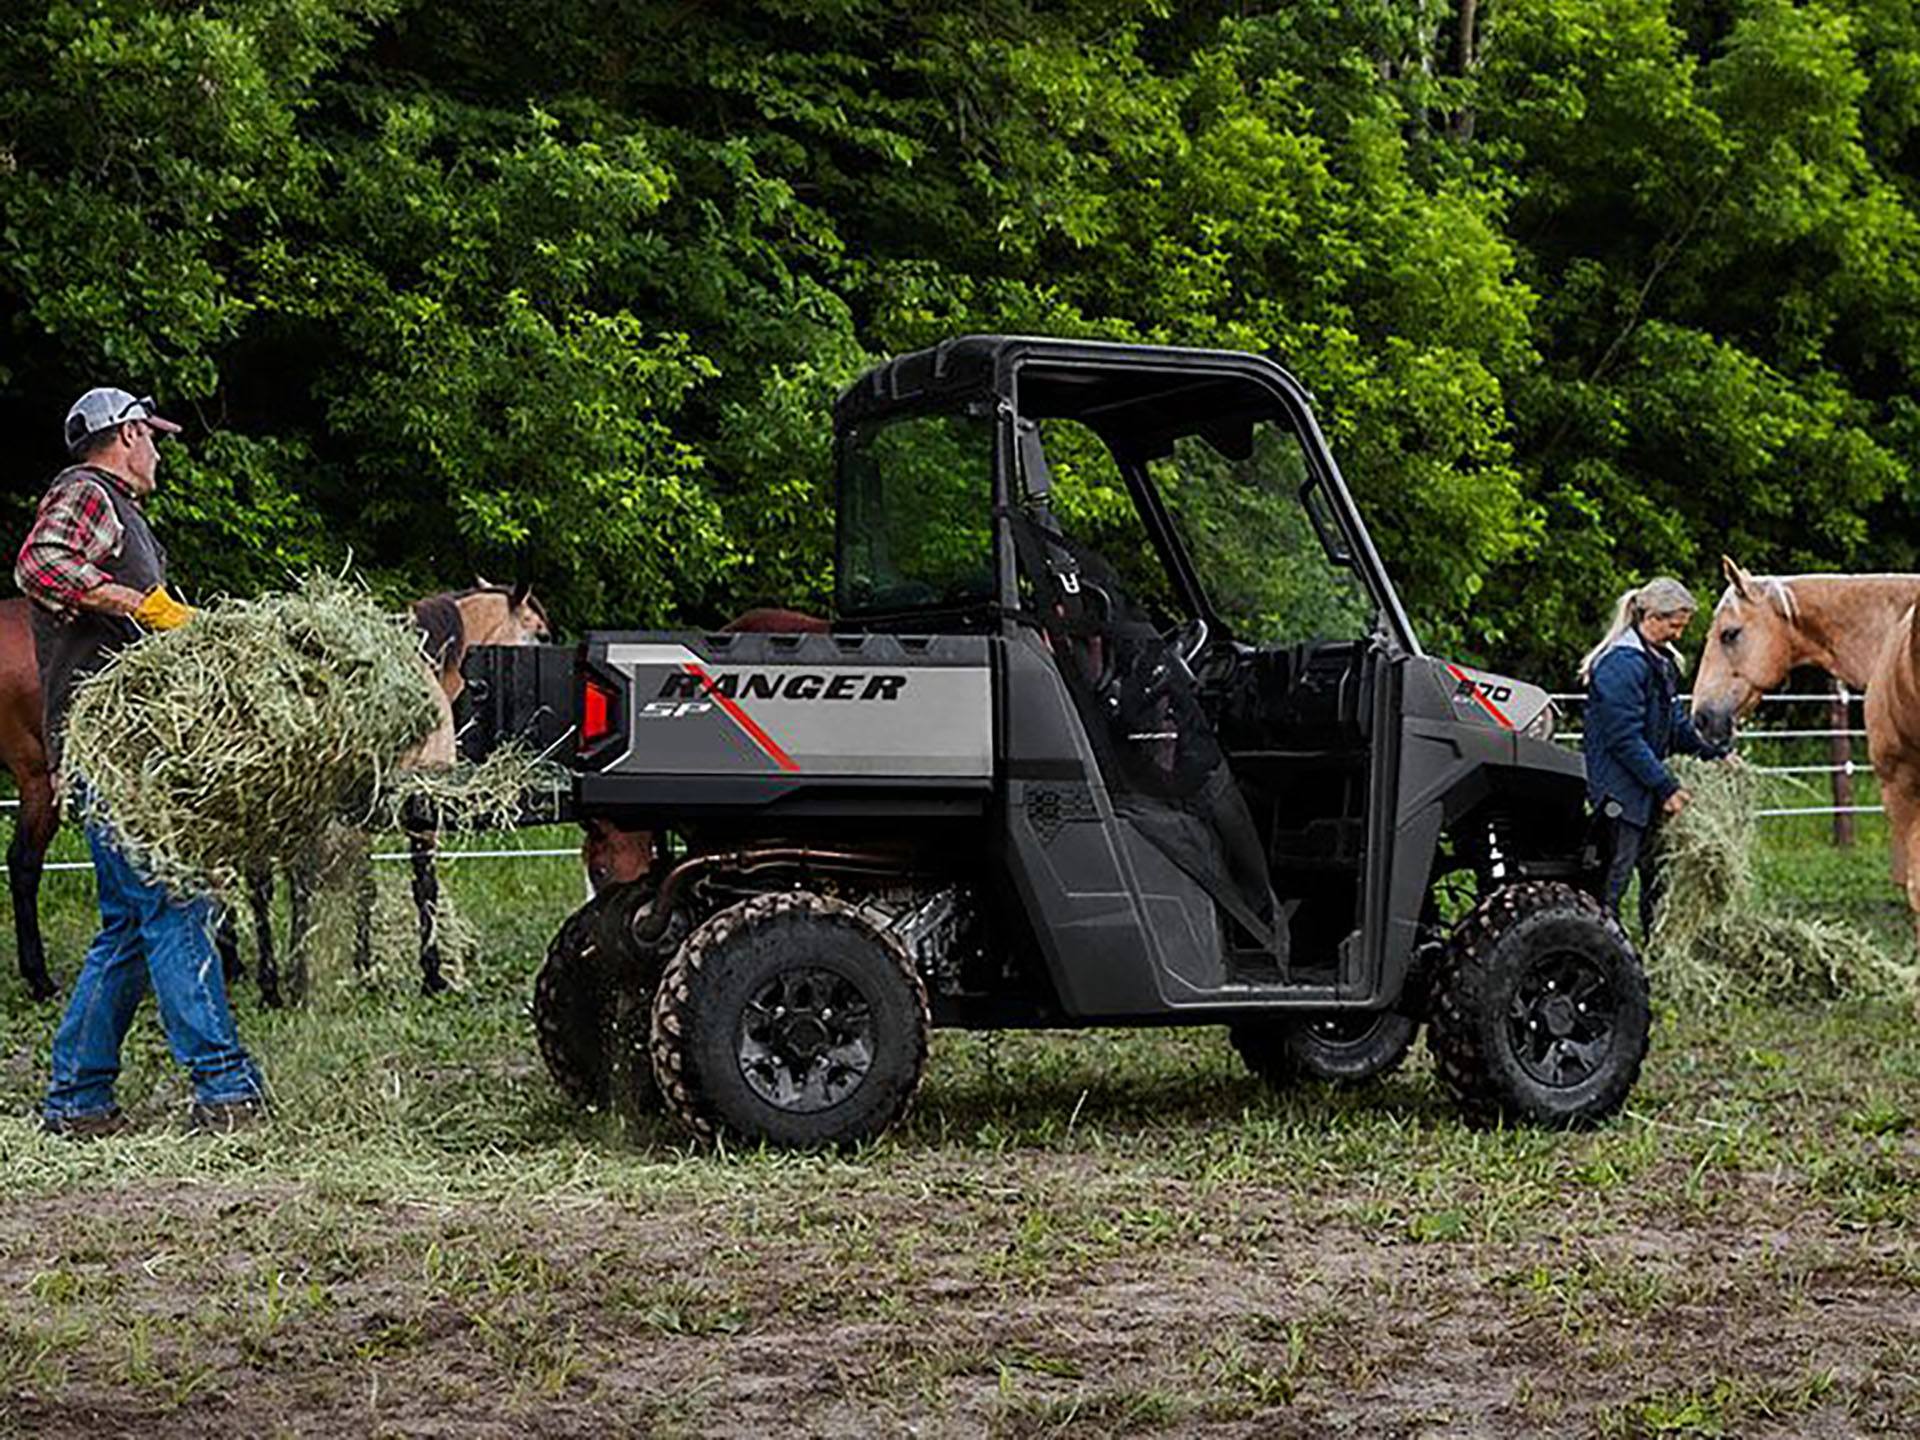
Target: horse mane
column 1774, row 589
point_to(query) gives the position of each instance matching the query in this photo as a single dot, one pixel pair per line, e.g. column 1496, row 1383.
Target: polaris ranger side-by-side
column 1119, row 721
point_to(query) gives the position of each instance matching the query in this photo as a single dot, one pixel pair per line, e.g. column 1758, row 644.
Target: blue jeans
column 146, row 938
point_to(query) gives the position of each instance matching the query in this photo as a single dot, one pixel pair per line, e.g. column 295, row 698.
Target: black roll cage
column 1009, row 372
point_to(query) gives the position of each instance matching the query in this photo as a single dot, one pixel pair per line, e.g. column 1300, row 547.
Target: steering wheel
column 1188, row 639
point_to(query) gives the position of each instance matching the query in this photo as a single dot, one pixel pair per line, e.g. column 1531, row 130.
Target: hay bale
column 1717, row 940
column 241, row 740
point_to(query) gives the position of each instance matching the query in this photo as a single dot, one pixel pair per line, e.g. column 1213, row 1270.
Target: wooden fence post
column 1840, row 755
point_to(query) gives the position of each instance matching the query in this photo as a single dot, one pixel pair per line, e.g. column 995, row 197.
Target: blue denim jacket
column 1635, row 720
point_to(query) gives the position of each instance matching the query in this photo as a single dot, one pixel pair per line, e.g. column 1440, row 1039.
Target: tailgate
column 526, row 693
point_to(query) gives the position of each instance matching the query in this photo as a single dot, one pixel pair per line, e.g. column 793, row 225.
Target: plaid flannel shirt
column 75, row 531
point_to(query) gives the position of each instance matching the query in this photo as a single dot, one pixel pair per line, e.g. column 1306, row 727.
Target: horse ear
column 1739, row 579
column 517, row 596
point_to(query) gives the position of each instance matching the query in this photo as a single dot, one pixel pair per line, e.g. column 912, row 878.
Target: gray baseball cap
column 104, row 407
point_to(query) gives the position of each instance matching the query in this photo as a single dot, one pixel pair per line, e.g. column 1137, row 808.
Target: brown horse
column 1858, row 628
column 23, row 750
column 485, row 615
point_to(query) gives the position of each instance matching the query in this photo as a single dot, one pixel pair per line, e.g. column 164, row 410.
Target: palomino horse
column 1858, row 628
column 485, row 615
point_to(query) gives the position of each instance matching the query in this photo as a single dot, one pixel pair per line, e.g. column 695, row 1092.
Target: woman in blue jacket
column 1634, row 720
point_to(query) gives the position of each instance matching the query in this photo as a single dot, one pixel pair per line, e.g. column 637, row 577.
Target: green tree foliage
column 564, row 288
column 1716, row 201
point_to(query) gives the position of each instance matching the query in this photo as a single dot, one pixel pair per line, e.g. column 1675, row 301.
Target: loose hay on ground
column 1717, row 940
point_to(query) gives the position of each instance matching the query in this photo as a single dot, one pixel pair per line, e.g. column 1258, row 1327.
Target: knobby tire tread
column 677, row 1081
column 1451, row 1034
column 572, row 960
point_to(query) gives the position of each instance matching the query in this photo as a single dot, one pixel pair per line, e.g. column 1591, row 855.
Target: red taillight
column 596, row 713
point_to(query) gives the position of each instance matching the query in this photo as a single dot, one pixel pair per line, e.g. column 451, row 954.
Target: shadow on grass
column 1047, row 1097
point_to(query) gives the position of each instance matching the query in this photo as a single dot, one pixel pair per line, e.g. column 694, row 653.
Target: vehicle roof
column 976, row 363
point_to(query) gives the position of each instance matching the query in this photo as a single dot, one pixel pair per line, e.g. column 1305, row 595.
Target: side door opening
column 1199, row 504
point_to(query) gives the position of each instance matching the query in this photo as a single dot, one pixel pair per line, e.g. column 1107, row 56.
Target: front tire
column 1340, row 1047
column 1540, row 1009
column 788, row 1019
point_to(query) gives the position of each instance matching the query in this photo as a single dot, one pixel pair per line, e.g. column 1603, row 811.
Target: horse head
column 503, row 615
column 1752, row 646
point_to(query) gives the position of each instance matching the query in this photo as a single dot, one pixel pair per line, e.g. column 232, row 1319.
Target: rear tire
column 1540, row 1009
column 629, row 1025
column 591, row 963
column 788, row 1019
column 1340, row 1047
column 569, row 1003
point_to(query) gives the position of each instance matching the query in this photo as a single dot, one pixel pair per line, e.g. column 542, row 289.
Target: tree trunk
column 1467, row 55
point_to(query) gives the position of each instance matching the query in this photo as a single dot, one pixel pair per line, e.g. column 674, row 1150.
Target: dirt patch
column 169, row 1312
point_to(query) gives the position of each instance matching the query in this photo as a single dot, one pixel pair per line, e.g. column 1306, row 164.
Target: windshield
column 916, row 514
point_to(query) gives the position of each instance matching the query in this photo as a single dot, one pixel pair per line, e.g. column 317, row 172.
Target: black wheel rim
column 1346, row 1032
column 1561, row 1019
column 806, row 1040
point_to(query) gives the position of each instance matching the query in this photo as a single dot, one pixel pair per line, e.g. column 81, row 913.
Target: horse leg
column 364, row 895
column 1903, row 839
column 260, row 899
column 226, row 944
column 426, row 896
column 33, row 827
column 299, row 931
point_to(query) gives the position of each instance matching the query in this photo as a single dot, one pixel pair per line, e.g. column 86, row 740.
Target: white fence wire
column 55, row 866
column 1847, row 767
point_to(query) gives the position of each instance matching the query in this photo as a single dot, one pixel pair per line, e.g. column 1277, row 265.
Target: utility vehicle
column 1119, row 721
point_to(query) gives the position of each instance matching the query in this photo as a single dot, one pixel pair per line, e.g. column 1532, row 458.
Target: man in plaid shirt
column 97, row 577
column 74, row 532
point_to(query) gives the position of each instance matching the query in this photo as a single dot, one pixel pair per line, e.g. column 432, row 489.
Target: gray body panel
column 815, row 706
column 967, row 752
column 1122, row 934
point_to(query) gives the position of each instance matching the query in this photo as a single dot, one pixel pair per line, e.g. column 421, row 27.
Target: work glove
column 158, row 610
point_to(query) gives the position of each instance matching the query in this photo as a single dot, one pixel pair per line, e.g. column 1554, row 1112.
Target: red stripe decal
column 745, row 721
column 1485, row 704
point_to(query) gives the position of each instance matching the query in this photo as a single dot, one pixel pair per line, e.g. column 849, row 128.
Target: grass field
column 1074, row 1234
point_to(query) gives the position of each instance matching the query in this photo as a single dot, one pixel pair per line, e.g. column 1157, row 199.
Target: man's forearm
column 110, row 599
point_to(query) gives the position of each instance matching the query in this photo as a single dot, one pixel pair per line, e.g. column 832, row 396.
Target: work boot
column 227, row 1117
column 96, row 1126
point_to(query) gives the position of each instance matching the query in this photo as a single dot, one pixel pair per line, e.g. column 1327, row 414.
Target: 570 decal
column 1499, row 694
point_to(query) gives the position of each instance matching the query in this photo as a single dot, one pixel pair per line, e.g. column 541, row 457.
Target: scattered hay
column 1716, row 941
column 246, row 738
column 492, row 795
column 347, row 878
column 396, row 933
